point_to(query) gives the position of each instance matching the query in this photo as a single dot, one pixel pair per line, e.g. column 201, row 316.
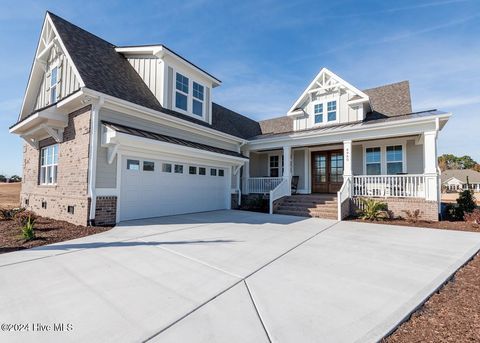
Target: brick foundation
column 396, row 206
column 106, row 211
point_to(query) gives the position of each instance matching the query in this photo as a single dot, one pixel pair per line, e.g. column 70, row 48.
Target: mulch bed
column 453, row 313
column 444, row 225
column 47, row 231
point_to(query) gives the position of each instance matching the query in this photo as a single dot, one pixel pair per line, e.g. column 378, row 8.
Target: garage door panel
column 157, row 193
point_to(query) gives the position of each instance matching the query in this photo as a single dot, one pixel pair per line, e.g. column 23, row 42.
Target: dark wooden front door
column 327, row 171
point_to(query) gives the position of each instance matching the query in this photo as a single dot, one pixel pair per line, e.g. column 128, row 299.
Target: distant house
column 456, row 179
column 115, row 133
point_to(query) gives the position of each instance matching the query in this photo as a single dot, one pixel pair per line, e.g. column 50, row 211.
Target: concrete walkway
column 228, row 276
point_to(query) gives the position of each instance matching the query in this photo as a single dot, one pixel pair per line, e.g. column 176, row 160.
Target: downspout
column 239, row 179
column 92, row 166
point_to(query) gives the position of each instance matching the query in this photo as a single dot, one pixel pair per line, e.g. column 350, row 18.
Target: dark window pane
column 148, row 166
column 202, row 171
column 373, row 169
column 197, row 108
column 192, row 170
column 181, row 101
column 133, row 164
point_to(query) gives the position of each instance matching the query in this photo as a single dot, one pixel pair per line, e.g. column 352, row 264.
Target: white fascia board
column 160, row 51
column 42, row 117
column 373, row 131
column 334, row 76
column 160, row 117
column 127, row 141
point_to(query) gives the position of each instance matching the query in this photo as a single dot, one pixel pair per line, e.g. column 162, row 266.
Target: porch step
column 318, row 206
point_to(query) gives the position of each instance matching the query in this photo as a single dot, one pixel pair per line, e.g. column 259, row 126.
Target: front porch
column 402, row 171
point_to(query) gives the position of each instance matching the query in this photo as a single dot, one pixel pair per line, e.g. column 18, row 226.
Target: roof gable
column 49, row 40
column 324, row 82
column 389, row 100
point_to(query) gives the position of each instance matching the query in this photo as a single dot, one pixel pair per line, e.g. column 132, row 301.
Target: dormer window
column 332, row 110
column 53, row 85
column 197, row 104
column 318, row 110
column 181, row 95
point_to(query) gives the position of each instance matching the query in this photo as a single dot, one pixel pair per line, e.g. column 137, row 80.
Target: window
column 178, row 169
column 49, row 165
column 332, row 110
column 192, row 170
column 336, row 167
column 221, row 172
column 166, row 168
column 44, row 204
column 197, row 105
column 318, row 110
column 181, row 95
column 213, row 172
column 274, row 166
column 26, row 202
column 71, row 209
column 202, row 171
column 133, row 164
column 373, row 161
column 394, row 159
column 148, row 166
column 53, row 85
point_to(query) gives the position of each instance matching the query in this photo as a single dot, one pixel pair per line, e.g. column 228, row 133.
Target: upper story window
column 373, row 161
column 49, row 165
column 181, row 94
column 197, row 101
column 332, row 110
column 318, row 111
column 53, row 85
column 394, row 159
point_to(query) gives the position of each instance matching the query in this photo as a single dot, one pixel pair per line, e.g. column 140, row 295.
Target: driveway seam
column 256, row 310
column 243, row 279
column 102, row 246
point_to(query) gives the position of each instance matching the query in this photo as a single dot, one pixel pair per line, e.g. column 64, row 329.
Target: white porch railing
column 262, row 185
column 283, row 189
column 409, row 186
column 344, row 194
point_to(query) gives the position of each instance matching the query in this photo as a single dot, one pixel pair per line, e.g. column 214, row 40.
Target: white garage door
column 153, row 188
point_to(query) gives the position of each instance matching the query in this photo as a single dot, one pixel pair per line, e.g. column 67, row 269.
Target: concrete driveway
column 227, row 276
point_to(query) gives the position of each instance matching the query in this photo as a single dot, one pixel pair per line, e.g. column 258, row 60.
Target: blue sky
column 266, row 52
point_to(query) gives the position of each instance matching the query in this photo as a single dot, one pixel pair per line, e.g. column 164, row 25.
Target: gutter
column 92, row 165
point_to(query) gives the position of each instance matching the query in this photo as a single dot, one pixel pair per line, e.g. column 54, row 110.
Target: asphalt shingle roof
column 461, row 174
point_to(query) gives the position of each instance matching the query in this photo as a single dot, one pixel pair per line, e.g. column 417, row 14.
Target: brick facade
column 106, row 210
column 396, row 206
column 72, row 180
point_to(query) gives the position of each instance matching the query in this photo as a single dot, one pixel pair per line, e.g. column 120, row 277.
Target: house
column 454, row 180
column 116, row 133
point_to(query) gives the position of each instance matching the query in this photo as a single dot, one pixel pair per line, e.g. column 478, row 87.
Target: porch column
column 347, row 158
column 287, row 161
column 246, row 172
column 430, row 165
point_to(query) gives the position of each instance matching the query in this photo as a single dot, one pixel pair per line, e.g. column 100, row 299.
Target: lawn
column 10, row 194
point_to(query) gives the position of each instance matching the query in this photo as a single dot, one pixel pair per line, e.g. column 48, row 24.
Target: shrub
column 412, row 217
column 10, row 213
column 473, row 217
column 23, row 217
column 465, row 203
column 372, row 209
column 28, row 231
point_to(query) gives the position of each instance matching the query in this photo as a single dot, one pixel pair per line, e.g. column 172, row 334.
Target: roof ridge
column 80, row 28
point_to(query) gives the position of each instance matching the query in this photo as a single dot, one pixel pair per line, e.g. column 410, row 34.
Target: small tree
column 15, row 178
column 466, row 202
column 3, row 178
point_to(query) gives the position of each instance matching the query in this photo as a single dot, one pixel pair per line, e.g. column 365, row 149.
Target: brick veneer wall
column 72, row 180
column 396, row 206
column 106, row 210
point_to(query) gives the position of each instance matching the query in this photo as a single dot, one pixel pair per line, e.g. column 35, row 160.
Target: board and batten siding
column 150, row 70
column 67, row 80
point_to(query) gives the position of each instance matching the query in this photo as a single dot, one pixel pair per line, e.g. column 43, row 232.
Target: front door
column 327, row 171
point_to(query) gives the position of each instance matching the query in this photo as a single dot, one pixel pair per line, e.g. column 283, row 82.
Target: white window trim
column 190, row 97
column 44, row 181
column 280, row 163
column 325, row 102
column 383, row 154
column 54, row 65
